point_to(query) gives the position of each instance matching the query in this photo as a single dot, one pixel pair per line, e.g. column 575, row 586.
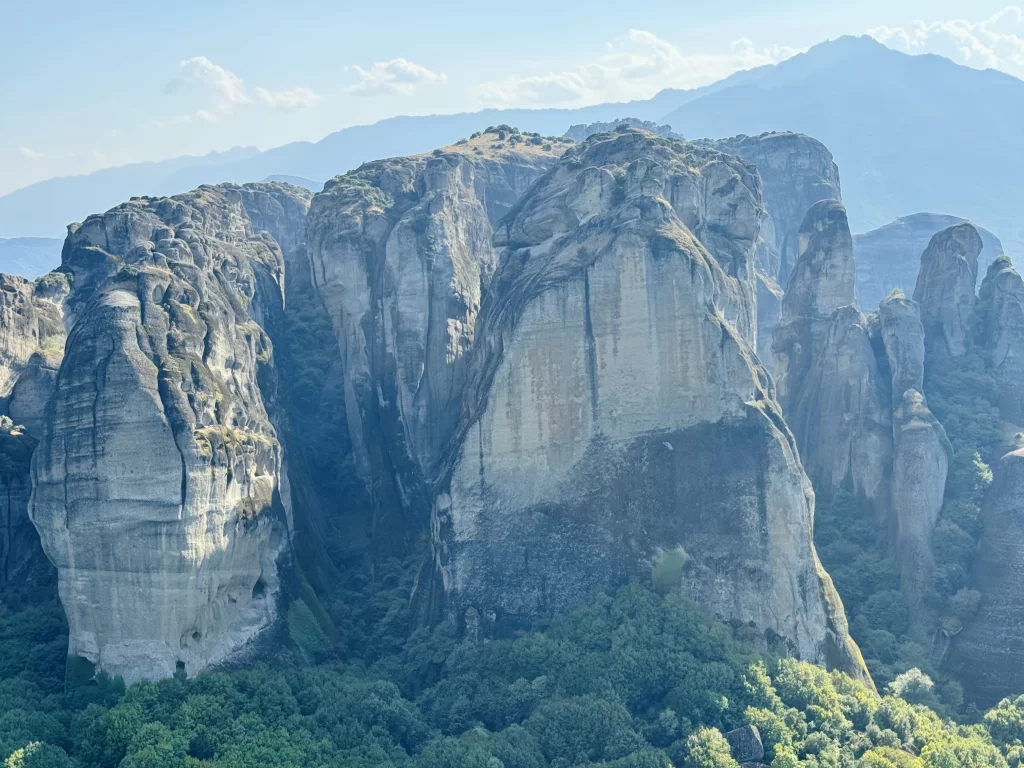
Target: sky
column 133, row 81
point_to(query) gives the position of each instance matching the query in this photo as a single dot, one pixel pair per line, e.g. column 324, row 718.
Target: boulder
column 745, row 744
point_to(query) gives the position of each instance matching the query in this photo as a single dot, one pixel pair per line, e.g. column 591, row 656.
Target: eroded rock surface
column 1001, row 325
column 889, row 258
column 828, row 379
column 615, row 414
column 988, row 654
column 156, row 482
column 945, row 290
column 401, row 254
column 796, row 172
column 921, row 450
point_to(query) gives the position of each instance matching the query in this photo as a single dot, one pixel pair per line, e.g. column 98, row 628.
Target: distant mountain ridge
column 909, row 133
column 29, row 256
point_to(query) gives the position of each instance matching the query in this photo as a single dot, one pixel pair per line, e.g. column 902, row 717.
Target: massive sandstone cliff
column 615, row 416
column 828, row 380
column 1000, row 323
column 889, row 257
column 157, row 482
column 401, row 255
column 796, row 172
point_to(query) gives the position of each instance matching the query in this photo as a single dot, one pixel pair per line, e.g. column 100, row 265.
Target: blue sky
column 134, row 81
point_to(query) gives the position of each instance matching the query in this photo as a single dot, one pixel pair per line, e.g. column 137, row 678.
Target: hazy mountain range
column 909, row 133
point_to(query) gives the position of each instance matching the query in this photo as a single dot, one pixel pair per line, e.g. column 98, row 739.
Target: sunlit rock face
column 615, row 415
column 157, row 479
column 828, row 380
column 945, row 290
column 401, row 254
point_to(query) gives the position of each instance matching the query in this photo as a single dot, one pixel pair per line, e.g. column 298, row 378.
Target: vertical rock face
column 156, row 482
column 828, row 380
column 945, row 289
column 1001, row 319
column 889, row 257
column 989, row 654
column 796, row 172
column 921, row 450
column 615, row 416
column 401, row 254
column 19, row 542
column 30, row 319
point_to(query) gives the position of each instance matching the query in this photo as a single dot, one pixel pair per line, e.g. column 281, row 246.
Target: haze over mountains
column 885, row 116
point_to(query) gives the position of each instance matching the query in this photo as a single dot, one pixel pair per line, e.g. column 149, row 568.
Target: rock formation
column 796, row 172
column 889, row 258
column 988, row 654
column 615, row 415
column 828, row 379
column 945, row 290
column 19, row 542
column 920, row 447
column 30, row 319
column 1001, row 326
column 401, row 255
column 157, row 479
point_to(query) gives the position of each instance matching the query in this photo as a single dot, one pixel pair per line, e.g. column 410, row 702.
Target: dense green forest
column 641, row 679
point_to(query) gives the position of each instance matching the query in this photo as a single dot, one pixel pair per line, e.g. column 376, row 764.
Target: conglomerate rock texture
column 401, row 255
column 945, row 290
column 615, row 416
column 889, row 258
column 157, row 478
column 828, row 379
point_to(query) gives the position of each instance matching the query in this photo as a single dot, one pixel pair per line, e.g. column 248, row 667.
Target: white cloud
column 225, row 86
column 296, row 98
column 395, row 76
column 30, row 154
column 996, row 42
column 636, row 65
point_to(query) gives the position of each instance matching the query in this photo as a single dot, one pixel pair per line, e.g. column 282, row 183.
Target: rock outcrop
column 889, row 258
column 945, row 290
column 921, row 450
column 157, row 479
column 988, row 655
column 615, row 416
column 30, row 320
column 401, row 255
column 828, row 380
column 1000, row 311
column 796, row 172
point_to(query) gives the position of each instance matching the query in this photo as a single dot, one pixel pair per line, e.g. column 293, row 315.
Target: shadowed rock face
column 945, row 290
column 614, row 412
column 401, row 254
column 828, row 380
column 920, row 448
column 1001, row 320
column 156, row 482
column 988, row 654
column 796, row 172
column 889, row 257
